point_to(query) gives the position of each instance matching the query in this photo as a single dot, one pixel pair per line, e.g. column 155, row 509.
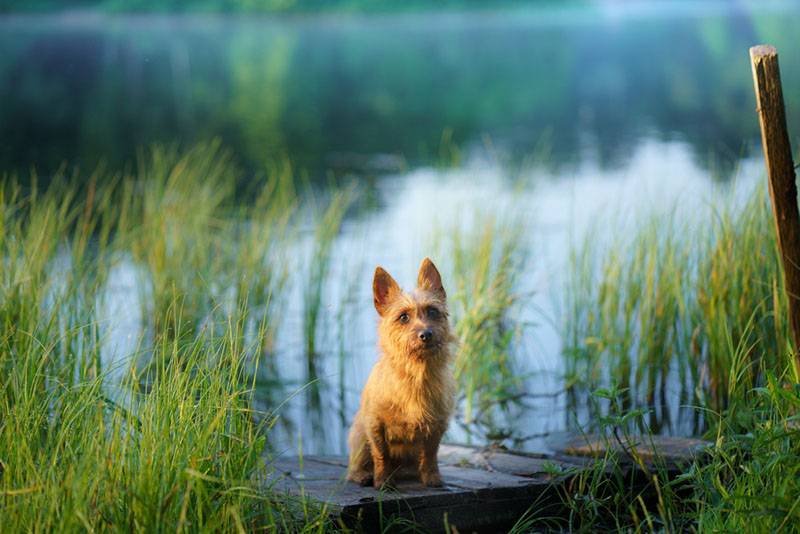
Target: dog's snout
column 426, row 335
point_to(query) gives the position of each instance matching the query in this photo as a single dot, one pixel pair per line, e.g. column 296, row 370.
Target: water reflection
column 574, row 118
column 372, row 93
column 558, row 210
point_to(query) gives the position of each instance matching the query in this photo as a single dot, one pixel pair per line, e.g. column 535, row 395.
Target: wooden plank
column 780, row 171
column 292, row 474
column 308, row 467
column 476, row 479
column 673, row 451
column 460, row 455
column 466, row 511
column 501, row 461
column 536, row 468
column 484, row 489
column 473, row 499
column 483, row 508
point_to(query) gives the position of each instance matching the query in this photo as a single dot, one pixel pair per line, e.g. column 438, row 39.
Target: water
column 559, row 113
column 560, row 210
column 569, row 83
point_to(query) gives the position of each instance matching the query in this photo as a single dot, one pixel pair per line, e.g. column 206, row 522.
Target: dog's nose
column 426, row 335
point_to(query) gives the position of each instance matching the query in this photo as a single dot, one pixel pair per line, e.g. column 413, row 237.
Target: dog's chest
column 412, row 422
column 399, row 431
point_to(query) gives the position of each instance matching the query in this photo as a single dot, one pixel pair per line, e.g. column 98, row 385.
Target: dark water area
column 376, row 93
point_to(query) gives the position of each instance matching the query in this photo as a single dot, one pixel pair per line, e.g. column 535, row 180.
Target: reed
column 181, row 441
column 666, row 306
column 694, row 300
column 179, row 444
column 484, row 298
column 326, row 229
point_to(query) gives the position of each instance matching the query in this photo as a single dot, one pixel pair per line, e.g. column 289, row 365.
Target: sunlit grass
column 179, row 444
column 485, row 260
column 326, row 229
column 174, row 435
column 692, row 300
column 667, row 307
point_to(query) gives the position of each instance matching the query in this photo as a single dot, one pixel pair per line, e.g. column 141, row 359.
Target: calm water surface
column 562, row 115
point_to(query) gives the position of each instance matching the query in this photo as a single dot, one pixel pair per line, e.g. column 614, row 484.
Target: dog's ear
column 429, row 278
column 384, row 290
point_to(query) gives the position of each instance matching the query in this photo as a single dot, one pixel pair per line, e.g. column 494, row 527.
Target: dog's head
column 415, row 323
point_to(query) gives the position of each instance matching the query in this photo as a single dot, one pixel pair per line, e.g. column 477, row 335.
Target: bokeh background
column 520, row 127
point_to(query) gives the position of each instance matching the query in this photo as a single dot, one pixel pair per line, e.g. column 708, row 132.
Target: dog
column 410, row 394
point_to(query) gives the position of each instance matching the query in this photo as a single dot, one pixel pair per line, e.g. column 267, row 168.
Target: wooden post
column 780, row 171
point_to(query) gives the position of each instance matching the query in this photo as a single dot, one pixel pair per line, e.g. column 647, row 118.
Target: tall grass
column 326, row 229
column 174, row 434
column 179, row 444
column 485, row 260
column 175, row 203
column 318, row 264
column 667, row 307
column 693, row 300
column 751, row 482
column 746, row 480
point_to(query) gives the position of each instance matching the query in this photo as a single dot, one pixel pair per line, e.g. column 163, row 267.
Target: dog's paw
column 382, row 482
column 433, row 480
column 362, row 479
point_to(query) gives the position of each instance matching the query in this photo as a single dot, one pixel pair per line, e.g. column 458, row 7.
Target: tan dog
column 410, row 393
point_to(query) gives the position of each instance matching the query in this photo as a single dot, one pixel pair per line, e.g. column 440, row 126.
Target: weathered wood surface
column 654, row 452
column 484, row 489
column 780, row 171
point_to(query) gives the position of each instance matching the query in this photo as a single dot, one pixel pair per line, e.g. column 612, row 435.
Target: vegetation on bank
column 748, row 481
column 168, row 426
column 250, row 6
column 177, row 437
column 177, row 442
column 268, row 89
column 687, row 313
column 693, row 302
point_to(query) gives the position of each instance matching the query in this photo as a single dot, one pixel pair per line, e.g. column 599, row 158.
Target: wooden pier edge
column 781, row 175
column 486, row 489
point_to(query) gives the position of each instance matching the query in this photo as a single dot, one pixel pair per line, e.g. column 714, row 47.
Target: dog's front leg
column 428, row 462
column 380, row 454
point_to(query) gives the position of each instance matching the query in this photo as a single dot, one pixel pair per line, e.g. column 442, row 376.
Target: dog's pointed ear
column 429, row 278
column 384, row 290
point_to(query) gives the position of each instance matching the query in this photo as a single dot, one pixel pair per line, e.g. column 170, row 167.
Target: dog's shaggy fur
column 409, row 396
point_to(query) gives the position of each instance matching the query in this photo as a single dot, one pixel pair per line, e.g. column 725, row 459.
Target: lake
column 567, row 115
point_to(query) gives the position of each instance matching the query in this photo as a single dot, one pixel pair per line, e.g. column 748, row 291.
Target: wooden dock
column 485, row 490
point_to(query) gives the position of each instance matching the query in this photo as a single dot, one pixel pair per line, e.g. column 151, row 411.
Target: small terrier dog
column 410, row 393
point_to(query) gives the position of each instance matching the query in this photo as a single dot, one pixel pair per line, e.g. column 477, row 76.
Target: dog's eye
column 433, row 313
column 403, row 318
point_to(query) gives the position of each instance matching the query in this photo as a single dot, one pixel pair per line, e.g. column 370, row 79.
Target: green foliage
column 679, row 301
column 174, row 432
column 179, row 442
column 752, row 481
column 746, row 481
column 244, row 6
column 374, row 93
column 700, row 301
column 484, row 300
